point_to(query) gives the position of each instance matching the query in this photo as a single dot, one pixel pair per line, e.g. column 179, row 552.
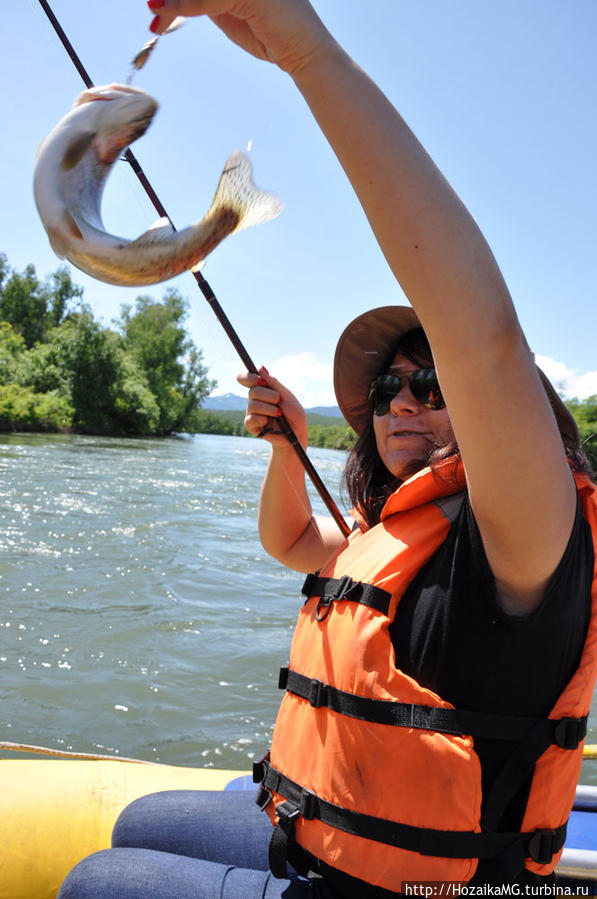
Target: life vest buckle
column 309, row 583
column 341, row 591
column 322, row 610
column 283, row 678
column 259, row 768
column 263, row 798
column 317, row 694
column 344, row 587
column 307, row 804
column 542, row 846
column 569, row 732
column 287, row 812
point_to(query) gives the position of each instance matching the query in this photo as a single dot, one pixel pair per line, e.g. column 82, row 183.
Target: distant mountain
column 226, row 401
column 230, row 401
column 325, row 410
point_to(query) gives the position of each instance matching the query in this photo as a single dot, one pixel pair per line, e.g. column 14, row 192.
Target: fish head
column 117, row 116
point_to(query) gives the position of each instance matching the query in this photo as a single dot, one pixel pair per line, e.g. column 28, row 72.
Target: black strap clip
column 263, row 798
column 344, row 587
column 317, row 694
column 282, row 838
column 283, row 678
column 288, row 813
column 542, row 846
column 323, row 608
column 340, row 591
column 307, row 587
column 569, row 732
column 259, row 768
column 308, row 804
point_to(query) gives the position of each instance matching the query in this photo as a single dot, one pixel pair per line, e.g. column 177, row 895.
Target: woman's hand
column 268, row 400
column 285, row 32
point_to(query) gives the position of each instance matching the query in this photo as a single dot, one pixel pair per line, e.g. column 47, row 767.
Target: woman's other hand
column 285, row 32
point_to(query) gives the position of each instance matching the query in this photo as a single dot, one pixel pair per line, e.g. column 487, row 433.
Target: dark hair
column 369, row 483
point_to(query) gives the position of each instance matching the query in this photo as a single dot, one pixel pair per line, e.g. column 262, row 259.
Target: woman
column 412, row 742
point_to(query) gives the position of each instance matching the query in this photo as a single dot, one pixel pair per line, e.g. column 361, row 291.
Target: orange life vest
column 375, row 774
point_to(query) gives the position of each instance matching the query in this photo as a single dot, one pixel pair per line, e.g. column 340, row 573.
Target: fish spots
column 75, row 151
column 71, row 225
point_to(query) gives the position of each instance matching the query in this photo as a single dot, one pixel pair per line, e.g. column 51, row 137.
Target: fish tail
column 237, row 193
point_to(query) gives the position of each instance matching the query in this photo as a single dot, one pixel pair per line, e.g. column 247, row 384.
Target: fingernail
column 156, row 4
column 154, row 24
column 261, row 382
column 278, row 412
column 263, row 368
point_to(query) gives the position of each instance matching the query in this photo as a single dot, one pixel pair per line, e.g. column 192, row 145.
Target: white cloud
column 311, row 381
column 568, row 382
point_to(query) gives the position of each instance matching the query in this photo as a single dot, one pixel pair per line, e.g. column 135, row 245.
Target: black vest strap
column 566, row 733
column 329, row 589
column 539, row 732
column 299, row 802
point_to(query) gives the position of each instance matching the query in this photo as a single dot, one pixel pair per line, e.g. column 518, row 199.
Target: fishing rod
column 208, row 293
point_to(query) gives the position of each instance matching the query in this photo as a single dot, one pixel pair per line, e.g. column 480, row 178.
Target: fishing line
column 63, row 754
column 208, row 293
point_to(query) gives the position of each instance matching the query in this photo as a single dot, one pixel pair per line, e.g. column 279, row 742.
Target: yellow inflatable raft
column 54, row 813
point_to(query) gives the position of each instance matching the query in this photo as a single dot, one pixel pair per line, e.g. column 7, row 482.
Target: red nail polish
column 154, row 24
column 261, row 382
column 156, row 4
column 278, row 412
column 263, row 368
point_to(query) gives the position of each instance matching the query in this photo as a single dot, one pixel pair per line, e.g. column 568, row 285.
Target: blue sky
column 501, row 94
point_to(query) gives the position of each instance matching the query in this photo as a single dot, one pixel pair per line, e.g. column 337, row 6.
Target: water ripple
column 140, row 615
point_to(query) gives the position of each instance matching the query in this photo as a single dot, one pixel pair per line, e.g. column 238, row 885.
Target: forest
column 62, row 370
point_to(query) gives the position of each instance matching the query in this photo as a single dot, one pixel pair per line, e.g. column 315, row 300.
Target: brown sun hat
column 365, row 349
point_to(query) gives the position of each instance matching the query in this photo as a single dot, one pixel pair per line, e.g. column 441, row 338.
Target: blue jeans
column 188, row 845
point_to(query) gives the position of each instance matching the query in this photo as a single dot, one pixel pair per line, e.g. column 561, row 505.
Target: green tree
column 585, row 413
column 108, row 391
column 64, row 297
column 4, row 269
column 24, row 303
column 12, row 354
column 59, row 368
column 173, row 366
column 33, row 307
column 21, row 409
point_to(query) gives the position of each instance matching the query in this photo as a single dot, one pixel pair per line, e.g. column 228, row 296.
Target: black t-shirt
column 451, row 635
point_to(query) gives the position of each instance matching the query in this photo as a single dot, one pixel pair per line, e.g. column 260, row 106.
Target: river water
column 139, row 614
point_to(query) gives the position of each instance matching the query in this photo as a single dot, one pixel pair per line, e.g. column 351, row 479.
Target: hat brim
column 365, row 349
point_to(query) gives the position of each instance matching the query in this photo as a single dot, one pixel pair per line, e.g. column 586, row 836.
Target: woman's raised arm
column 520, row 485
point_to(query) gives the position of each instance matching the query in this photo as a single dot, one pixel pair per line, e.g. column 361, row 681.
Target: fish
column 71, row 169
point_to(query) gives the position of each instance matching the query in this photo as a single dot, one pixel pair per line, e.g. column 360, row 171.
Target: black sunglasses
column 422, row 383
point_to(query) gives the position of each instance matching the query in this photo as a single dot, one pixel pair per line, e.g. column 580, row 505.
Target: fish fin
column 160, row 229
column 238, row 193
column 76, row 150
column 58, row 239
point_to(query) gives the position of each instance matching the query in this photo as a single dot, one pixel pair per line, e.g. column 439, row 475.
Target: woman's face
column 409, row 432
